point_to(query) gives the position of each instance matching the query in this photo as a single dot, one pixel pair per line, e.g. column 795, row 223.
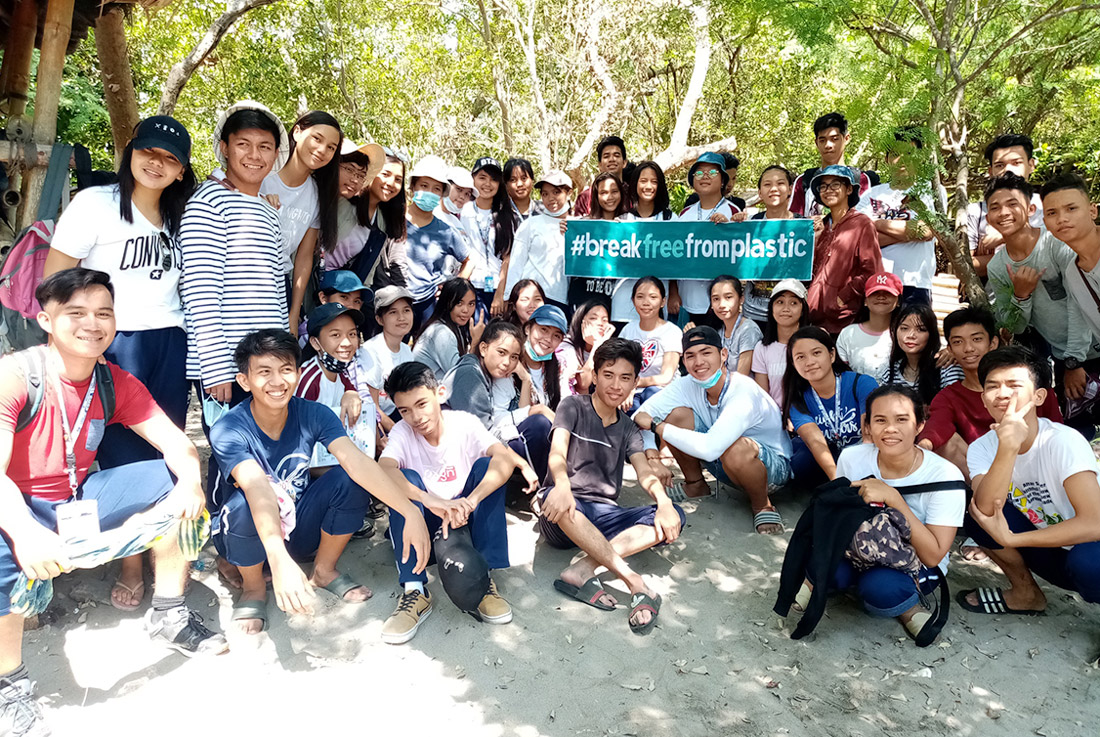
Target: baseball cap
column 793, row 286
column 167, row 133
column 460, row 177
column 430, row 167
column 883, row 281
column 551, row 317
column 487, row 162
column 386, row 296
column 556, row 178
column 342, row 280
column 701, row 335
column 462, row 570
column 328, row 312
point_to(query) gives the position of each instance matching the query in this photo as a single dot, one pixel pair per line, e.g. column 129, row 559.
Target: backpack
column 19, row 277
column 33, row 364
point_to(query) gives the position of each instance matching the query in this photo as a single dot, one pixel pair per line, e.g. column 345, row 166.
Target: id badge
column 78, row 520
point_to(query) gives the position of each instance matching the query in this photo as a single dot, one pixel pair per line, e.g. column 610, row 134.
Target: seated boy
column 43, row 471
column 454, row 471
column 724, row 420
column 270, row 508
column 1047, row 474
column 591, row 439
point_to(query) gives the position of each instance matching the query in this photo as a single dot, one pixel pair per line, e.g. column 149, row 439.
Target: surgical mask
column 213, row 410
column 536, row 357
column 558, row 213
column 332, row 363
column 707, row 383
column 426, row 201
column 449, row 205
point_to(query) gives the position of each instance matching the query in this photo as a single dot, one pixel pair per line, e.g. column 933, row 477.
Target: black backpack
column 33, row 364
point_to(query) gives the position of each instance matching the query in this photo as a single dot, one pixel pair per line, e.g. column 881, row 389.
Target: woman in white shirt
column 490, row 223
column 660, row 340
column 649, row 189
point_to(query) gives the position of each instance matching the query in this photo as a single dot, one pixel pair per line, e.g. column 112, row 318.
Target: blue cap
column 551, row 317
column 328, row 312
column 710, row 157
column 344, row 282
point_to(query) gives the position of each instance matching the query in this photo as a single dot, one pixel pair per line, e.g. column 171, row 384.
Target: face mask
column 426, row 201
column 536, row 357
column 707, row 383
column 558, row 213
column 449, row 205
column 332, row 363
column 213, row 410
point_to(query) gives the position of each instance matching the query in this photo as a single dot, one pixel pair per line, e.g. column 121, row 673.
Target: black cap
column 487, row 162
column 164, row 132
column 610, row 141
column 699, row 335
column 328, row 312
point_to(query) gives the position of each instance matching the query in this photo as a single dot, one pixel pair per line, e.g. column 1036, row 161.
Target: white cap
column 432, row 167
column 793, row 286
column 460, row 177
column 284, row 140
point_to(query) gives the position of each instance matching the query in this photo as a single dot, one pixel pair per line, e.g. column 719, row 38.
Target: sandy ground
column 719, row 663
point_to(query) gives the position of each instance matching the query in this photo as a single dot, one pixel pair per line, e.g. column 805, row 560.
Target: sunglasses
column 166, row 249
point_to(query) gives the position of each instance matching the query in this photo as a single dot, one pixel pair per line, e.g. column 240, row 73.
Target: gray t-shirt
column 596, row 454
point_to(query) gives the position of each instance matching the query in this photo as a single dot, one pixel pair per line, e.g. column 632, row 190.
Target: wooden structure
column 56, row 27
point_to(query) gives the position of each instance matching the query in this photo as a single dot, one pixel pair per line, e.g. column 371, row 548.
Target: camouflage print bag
column 884, row 541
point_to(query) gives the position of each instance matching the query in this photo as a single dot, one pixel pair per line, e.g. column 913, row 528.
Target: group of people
column 371, row 339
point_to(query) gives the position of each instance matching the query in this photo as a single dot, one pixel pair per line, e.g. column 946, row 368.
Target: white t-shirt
column 382, row 362
column 914, row 262
column 1078, row 287
column 133, row 254
column 1039, row 476
column 771, row 360
column 940, row 508
column 478, row 226
column 693, row 292
column 538, row 252
column 665, row 338
column 299, row 210
column 866, row 352
column 746, row 334
column 443, row 468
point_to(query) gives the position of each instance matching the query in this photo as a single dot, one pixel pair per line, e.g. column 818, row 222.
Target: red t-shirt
column 37, row 464
column 956, row 409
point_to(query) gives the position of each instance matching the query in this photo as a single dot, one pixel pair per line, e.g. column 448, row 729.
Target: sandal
column 991, row 601
column 767, row 516
column 251, row 610
column 344, row 583
column 644, row 602
column 589, row 593
column 678, row 494
column 132, row 591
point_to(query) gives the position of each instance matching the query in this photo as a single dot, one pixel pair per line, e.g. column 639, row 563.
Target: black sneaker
column 182, row 629
column 377, row 510
column 20, row 714
column 367, row 530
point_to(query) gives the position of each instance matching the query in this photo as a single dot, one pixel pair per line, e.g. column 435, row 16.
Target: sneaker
column 182, row 629
column 20, row 714
column 377, row 510
column 367, row 530
column 406, row 619
column 493, row 608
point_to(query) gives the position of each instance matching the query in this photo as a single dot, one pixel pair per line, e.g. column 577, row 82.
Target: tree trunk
column 610, row 92
column 118, row 80
column 183, row 69
column 16, row 74
column 498, row 81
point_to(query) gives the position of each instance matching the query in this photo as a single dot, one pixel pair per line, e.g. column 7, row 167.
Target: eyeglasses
column 166, row 247
column 831, row 187
column 356, row 174
column 708, row 174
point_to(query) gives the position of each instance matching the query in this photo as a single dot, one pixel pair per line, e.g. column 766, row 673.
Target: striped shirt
column 232, row 282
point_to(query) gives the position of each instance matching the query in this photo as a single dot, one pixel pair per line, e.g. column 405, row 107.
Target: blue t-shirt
column 236, row 438
column 838, row 417
column 427, row 249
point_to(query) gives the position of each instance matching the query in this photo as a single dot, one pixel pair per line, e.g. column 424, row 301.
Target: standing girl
column 489, row 222
column 519, row 180
column 607, row 200
column 650, row 192
column 739, row 335
column 449, row 332
column 787, row 312
column 915, row 345
column 774, row 189
column 865, row 345
column 660, row 340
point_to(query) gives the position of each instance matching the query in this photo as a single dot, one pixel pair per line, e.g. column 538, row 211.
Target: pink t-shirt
column 772, row 361
column 443, row 468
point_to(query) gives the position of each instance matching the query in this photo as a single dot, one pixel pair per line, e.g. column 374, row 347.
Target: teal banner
column 755, row 249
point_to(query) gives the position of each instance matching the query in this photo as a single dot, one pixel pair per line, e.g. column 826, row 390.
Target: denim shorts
column 777, row 465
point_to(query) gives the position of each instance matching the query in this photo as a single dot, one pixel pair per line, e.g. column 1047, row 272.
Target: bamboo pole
column 47, row 95
column 16, row 74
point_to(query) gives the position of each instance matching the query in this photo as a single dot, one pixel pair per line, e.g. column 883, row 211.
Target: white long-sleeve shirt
column 744, row 410
column 538, row 252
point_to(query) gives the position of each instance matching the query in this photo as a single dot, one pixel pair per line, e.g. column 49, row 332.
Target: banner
column 755, row 249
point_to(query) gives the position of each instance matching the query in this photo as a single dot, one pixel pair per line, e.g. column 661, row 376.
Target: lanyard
column 712, row 210
column 71, row 432
column 834, row 422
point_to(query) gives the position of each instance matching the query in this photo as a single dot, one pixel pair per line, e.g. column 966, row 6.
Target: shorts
column 776, row 464
column 610, row 519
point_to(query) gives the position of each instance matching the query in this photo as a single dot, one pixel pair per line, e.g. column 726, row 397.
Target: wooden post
column 47, row 95
column 16, row 73
column 118, row 81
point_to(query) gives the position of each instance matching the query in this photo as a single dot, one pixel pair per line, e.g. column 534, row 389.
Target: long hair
column 505, row 219
column 551, row 375
column 656, row 283
column 661, row 199
column 575, row 336
column 928, row 374
column 794, row 386
column 453, row 292
column 771, row 327
column 514, row 296
column 173, row 198
column 596, row 211
column 493, row 331
column 393, row 212
column 327, row 178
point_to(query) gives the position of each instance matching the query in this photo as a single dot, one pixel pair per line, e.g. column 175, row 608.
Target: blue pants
column 533, row 443
column 332, row 503
column 610, row 519
column 1076, row 569
column 156, row 358
column 422, row 312
column 642, row 395
column 804, row 469
column 488, row 528
column 884, row 592
column 915, row 295
column 120, row 493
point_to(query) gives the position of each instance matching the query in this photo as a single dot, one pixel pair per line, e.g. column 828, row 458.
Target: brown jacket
column 845, row 255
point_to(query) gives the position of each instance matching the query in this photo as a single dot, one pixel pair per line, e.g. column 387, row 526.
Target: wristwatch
column 1072, row 364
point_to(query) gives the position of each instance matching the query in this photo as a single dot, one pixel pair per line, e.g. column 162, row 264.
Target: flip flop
column 991, row 601
column 678, row 494
column 644, row 602
column 767, row 517
column 251, row 610
column 344, row 583
column 589, row 593
column 132, row 592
